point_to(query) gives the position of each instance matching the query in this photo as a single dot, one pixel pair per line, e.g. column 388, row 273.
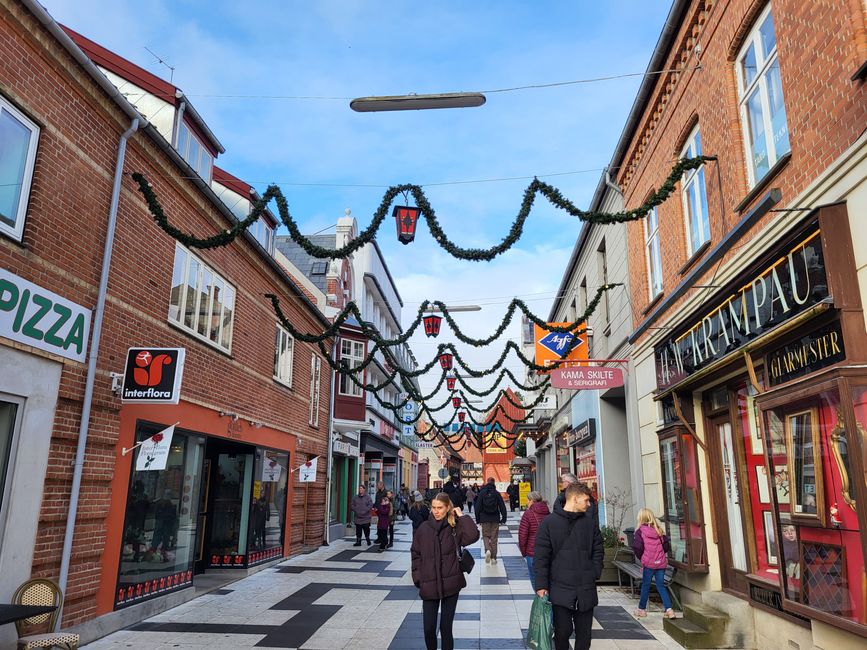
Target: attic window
column 319, row 268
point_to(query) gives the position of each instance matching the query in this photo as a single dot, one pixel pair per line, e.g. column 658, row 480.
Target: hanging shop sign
column 583, row 434
column 153, row 452
column 820, row 348
column 153, row 375
column 587, row 378
column 754, row 303
column 35, row 316
column 550, row 346
column 307, row 471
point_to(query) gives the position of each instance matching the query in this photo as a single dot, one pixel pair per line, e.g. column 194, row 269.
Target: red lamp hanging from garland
column 446, row 360
column 450, row 382
column 432, row 325
column 461, row 416
column 456, row 402
column 406, row 218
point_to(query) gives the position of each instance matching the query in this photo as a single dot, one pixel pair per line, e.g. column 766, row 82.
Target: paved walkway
column 357, row 598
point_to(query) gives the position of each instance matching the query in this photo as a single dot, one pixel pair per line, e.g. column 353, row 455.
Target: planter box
column 609, row 571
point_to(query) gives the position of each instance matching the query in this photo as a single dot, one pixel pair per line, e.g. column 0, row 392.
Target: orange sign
column 550, row 346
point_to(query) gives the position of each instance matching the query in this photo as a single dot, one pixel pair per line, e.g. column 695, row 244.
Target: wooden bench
column 634, row 571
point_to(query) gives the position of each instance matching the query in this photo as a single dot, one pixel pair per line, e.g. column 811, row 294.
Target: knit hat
column 418, row 498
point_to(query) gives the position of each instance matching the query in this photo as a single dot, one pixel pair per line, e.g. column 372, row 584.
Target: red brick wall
column 820, row 45
column 62, row 251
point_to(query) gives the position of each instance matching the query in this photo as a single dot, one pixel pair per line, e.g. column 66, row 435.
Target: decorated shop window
column 681, row 484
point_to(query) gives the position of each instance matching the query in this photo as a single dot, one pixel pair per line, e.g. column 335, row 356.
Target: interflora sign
column 153, row 375
column 791, row 283
column 582, row 378
column 34, row 316
column 551, row 346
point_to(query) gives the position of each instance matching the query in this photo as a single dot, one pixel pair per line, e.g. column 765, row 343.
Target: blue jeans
column 659, row 576
column 529, row 559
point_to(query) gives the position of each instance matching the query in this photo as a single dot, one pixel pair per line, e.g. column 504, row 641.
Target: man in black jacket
column 567, row 563
column 456, row 494
column 568, row 479
column 513, row 493
column 490, row 513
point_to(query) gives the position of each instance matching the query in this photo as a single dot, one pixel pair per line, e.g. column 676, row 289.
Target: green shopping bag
column 540, row 632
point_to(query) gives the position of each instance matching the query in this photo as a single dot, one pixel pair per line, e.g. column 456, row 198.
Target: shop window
column 819, row 553
column 201, row 301
column 681, row 486
column 268, row 507
column 760, row 91
column 284, row 346
column 18, row 139
column 315, row 389
column 352, row 355
column 694, row 196
column 160, row 525
column 8, row 417
column 653, row 253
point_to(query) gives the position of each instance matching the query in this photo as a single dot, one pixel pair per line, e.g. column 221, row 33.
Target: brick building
column 250, row 409
column 749, row 335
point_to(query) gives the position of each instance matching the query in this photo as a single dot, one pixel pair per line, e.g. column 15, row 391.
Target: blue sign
column 559, row 342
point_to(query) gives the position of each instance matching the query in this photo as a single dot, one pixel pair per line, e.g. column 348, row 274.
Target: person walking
column 361, row 507
column 535, row 513
column 453, row 489
column 383, row 520
column 418, row 513
column 512, row 491
column 471, row 498
column 568, row 562
column 405, row 502
column 568, row 479
column 651, row 545
column 393, row 518
column 436, row 571
column 490, row 513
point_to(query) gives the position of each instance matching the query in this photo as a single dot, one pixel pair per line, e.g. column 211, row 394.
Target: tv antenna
column 162, row 61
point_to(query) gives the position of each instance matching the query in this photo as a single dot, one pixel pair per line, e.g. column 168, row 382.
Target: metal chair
column 45, row 593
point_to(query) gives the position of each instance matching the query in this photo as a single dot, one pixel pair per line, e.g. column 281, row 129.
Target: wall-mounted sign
column 766, row 597
column 34, row 316
column 153, row 452
column 551, row 346
column 793, row 281
column 153, row 375
column 587, row 378
column 820, row 348
column 583, row 434
column 307, row 471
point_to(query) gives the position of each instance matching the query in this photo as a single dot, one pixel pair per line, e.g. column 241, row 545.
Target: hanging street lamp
column 432, row 325
column 456, row 402
column 450, row 382
column 461, row 416
column 446, row 360
column 406, row 218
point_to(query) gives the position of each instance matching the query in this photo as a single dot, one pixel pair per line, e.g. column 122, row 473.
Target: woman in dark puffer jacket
column 435, row 568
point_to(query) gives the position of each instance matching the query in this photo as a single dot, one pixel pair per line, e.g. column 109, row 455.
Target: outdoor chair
column 45, row 593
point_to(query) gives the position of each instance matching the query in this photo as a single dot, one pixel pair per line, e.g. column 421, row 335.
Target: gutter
column 200, row 122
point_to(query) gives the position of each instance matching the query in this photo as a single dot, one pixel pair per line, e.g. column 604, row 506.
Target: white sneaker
column 493, row 560
column 487, row 557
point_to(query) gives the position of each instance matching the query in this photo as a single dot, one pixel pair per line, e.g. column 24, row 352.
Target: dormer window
column 194, row 152
column 263, row 233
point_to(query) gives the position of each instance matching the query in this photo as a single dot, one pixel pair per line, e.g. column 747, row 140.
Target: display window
column 585, row 467
column 681, row 484
column 268, row 506
column 816, row 536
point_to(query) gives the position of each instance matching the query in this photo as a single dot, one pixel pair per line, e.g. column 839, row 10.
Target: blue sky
column 354, row 48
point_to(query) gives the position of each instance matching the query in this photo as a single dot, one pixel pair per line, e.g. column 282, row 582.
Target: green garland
column 474, row 254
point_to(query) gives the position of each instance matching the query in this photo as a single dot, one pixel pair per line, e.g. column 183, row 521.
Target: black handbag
column 465, row 559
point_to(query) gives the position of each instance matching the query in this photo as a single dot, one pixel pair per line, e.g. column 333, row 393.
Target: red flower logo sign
column 149, row 370
column 157, row 438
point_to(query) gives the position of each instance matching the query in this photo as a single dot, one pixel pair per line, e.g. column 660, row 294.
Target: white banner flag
column 153, row 453
column 307, row 471
column 270, row 470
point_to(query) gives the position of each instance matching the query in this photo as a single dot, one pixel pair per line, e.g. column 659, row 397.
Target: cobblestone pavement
column 342, row 596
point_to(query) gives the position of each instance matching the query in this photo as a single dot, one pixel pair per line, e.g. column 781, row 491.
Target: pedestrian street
column 341, row 596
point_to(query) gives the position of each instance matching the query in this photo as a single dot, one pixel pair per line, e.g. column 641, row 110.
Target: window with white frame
column 652, row 253
column 201, row 302
column 315, row 389
column 694, row 196
column 760, row 91
column 18, row 139
column 264, row 234
column 283, row 348
column 194, row 152
column 352, row 353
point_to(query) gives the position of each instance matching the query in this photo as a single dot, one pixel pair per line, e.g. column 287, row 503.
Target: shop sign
column 307, row 471
column 271, row 470
column 386, row 430
column 820, row 348
column 552, row 346
column 153, row 452
column 587, row 378
column 582, row 434
column 35, row 316
column 754, row 304
column 766, row 597
column 153, row 376
column 425, row 444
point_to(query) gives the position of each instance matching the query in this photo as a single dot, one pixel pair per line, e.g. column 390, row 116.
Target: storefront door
column 732, row 542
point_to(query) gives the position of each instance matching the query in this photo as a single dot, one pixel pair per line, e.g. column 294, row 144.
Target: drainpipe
column 328, row 464
column 91, row 367
column 611, row 184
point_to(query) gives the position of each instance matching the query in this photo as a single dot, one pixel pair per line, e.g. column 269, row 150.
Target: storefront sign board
column 793, row 281
column 523, row 492
column 153, row 453
column 307, row 471
column 551, row 346
column 766, row 597
column 587, row 378
column 583, row 434
column 35, row 316
column 153, row 375
column 820, row 348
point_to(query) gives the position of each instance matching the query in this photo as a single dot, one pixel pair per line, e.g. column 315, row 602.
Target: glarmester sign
column 34, row 316
column 791, row 283
column 153, row 375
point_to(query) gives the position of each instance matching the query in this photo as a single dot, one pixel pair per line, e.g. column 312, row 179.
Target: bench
column 634, row 571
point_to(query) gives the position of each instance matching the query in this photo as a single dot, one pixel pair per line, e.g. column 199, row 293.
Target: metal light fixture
column 413, row 102
column 456, row 402
column 406, row 218
column 461, row 416
column 450, row 382
column 446, row 361
column 432, row 325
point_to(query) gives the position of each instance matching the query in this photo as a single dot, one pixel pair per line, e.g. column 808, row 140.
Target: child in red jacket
column 651, row 546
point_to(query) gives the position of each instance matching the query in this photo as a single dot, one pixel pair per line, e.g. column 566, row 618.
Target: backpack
column 490, row 503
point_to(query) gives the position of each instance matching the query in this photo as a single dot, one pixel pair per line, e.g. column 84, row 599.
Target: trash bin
column 630, row 536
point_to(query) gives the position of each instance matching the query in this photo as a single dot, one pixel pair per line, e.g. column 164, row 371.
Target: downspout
column 328, row 462
column 87, row 402
column 611, row 184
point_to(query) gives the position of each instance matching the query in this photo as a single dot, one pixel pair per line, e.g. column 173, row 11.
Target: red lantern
column 456, row 402
column 406, row 219
column 461, row 416
column 432, row 325
column 446, row 361
column 450, row 383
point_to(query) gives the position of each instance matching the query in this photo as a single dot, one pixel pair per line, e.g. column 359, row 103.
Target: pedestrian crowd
column 562, row 547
